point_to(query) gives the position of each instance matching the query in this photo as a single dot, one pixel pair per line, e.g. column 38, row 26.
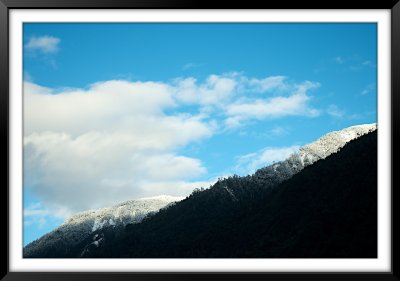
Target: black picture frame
column 7, row 5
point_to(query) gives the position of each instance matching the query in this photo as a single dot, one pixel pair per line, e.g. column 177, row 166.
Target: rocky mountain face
column 83, row 225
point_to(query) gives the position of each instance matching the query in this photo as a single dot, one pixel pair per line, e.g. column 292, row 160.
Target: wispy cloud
column 215, row 91
column 249, row 163
column 279, row 131
column 45, row 44
column 220, row 90
column 267, row 84
column 192, row 65
column 334, row 111
column 296, row 104
column 368, row 89
column 351, row 63
column 338, row 60
column 367, row 63
column 338, row 113
column 35, row 214
column 359, row 64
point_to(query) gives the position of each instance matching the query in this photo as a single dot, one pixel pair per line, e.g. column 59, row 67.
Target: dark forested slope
column 329, row 209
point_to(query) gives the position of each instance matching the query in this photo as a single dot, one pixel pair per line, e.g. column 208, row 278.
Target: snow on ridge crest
column 82, row 225
column 310, row 153
column 333, row 142
column 127, row 212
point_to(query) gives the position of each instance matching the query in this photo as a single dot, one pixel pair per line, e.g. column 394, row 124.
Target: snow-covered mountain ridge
column 82, row 225
column 310, row 153
column 132, row 211
column 333, row 142
column 87, row 231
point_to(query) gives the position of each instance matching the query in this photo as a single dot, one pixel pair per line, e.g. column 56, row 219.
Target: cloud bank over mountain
column 117, row 139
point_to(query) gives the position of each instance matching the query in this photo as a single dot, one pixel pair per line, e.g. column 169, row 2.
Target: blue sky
column 115, row 112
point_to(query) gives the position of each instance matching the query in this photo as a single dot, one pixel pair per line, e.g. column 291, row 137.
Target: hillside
column 328, row 210
column 228, row 218
column 81, row 226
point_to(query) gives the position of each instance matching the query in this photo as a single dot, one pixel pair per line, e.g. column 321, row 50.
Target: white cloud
column 334, row 111
column 45, row 44
column 218, row 90
column 274, row 107
column 267, row 84
column 98, row 170
column 214, row 91
column 249, row 163
column 119, row 140
column 106, row 144
column 103, row 106
column 296, row 104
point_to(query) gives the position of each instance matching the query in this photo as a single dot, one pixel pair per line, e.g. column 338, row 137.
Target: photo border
column 6, row 6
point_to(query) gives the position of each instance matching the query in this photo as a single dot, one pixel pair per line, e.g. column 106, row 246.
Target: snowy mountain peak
column 131, row 211
column 82, row 225
column 310, row 153
column 332, row 143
